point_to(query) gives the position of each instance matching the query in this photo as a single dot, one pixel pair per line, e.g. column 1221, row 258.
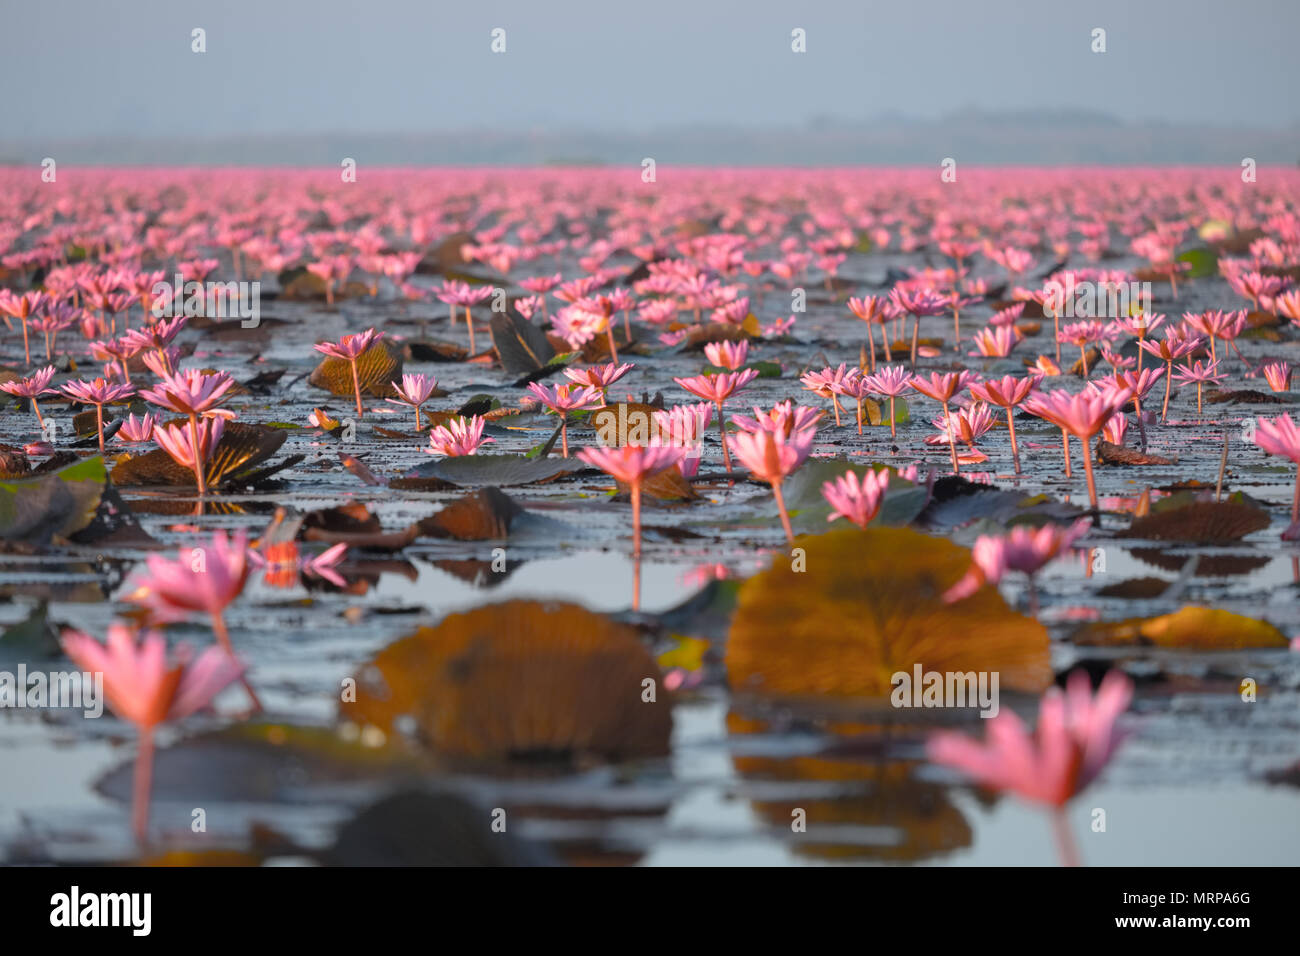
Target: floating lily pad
column 1204, row 522
column 1190, row 627
column 902, row 503
column 377, row 367
column 867, row 605
column 53, row 506
column 482, row 516
column 240, row 451
column 519, row 681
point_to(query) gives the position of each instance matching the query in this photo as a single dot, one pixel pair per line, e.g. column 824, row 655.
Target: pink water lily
column 1024, row 549
column 460, row 436
column 717, row 389
column 599, row 376
column 350, row 348
column 1083, row 416
column 191, row 446
column 563, row 399
column 137, row 430
column 943, row 387
column 632, row 465
column 1007, row 392
column 98, row 393
column 32, row 387
column 143, row 687
column 728, row 355
column 414, row 391
column 856, row 498
column 1280, row 436
column 1076, row 737
column 772, row 456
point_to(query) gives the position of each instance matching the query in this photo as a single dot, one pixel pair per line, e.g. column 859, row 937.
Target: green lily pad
column 52, row 507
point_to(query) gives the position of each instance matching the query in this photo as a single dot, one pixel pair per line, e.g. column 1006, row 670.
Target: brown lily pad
column 242, row 448
column 868, row 605
column 668, row 485
column 1135, row 588
column 350, row 518
column 837, row 794
column 519, row 681
column 1190, row 627
column 377, row 367
column 484, row 515
column 1202, row 522
column 1112, row 454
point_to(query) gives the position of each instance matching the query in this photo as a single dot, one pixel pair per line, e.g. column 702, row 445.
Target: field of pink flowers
column 654, row 516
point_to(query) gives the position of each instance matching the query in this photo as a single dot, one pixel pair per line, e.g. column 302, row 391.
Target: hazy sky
column 72, row 69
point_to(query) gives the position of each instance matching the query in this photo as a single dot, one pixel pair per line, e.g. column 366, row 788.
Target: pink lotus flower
column 203, row 580
column 717, row 389
column 1076, row 738
column 136, row 430
column 1138, row 384
column 1015, row 261
column 784, row 417
column 1081, row 335
column 193, row 393
column 1200, row 373
column 98, row 393
column 1007, row 318
column 332, row 271
column 562, row 399
column 143, row 688
column 1023, row 549
column 23, row 307
column 413, row 392
column 1007, row 392
column 1114, row 429
column 827, row 383
column 996, row 341
column 456, row 293
column 599, row 376
column 854, row 385
column 114, row 352
column 942, row 387
column 349, row 349
column 917, row 302
column 1277, row 374
column 632, row 464
column 728, row 355
column 891, row 381
column 872, row 310
column 965, row 425
column 460, row 436
column 1082, row 416
column 1288, row 304
column 155, row 339
column 683, row 426
column 162, row 362
column 771, row 456
column 854, row 498
column 191, row 446
column 1175, row 345
column 31, row 388
column 1279, row 436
